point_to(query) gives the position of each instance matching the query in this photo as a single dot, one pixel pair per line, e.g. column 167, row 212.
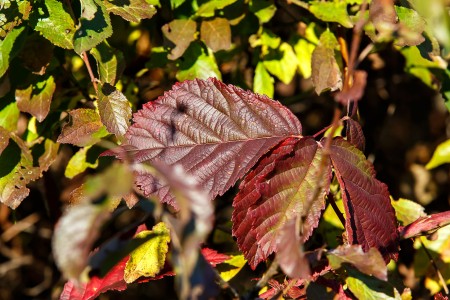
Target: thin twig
column 441, row 278
column 269, row 274
column 88, row 66
column 336, row 208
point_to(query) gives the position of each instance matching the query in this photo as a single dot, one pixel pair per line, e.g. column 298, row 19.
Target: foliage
column 92, row 85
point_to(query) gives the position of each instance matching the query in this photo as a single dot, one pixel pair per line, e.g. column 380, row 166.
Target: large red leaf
column 283, row 186
column 370, row 218
column 216, row 132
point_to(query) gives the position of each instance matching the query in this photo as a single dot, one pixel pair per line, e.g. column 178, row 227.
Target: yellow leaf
column 236, row 261
column 149, row 258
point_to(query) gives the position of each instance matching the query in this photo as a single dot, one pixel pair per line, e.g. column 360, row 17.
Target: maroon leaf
column 439, row 296
column 216, row 132
column 370, row 218
column 354, row 134
column 281, row 188
column 356, row 91
column 425, row 225
column 214, row 257
column 295, row 291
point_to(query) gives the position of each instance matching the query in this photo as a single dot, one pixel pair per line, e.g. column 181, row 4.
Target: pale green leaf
column 304, row 48
column 332, row 11
column 149, row 258
column 263, row 10
column 263, row 82
column 54, row 22
column 9, row 47
column 208, row 8
column 198, row 64
column 411, row 27
column 110, row 63
column 132, row 10
column 78, row 163
column 91, row 32
column 440, row 156
column 407, row 211
column 370, row 288
column 282, row 64
column 419, row 66
column 88, row 9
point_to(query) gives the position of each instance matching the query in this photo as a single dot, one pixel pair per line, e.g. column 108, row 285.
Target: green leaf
column 333, row 11
column 78, row 163
column 411, row 27
column 88, row 9
column 110, row 63
column 54, row 22
column 440, row 156
column 9, row 116
column 304, row 48
column 208, row 8
column 149, row 258
column 91, row 32
column 181, row 33
column 176, row 3
column 326, row 74
column 114, row 109
column 13, row 15
column 84, row 128
column 9, row 47
column 282, row 63
column 407, row 211
column 216, row 34
column 131, row 10
column 419, row 67
column 263, row 10
column 37, row 97
column 263, row 82
column 266, row 39
column 198, row 64
column 370, row 288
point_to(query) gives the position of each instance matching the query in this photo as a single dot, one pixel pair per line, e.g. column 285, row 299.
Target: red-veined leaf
column 354, row 134
column 370, row 218
column 214, row 257
column 281, row 188
column 216, row 132
column 425, row 225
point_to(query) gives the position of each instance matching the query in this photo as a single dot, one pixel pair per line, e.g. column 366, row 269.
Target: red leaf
column 439, row 296
column 216, row 132
column 282, row 187
column 370, row 216
column 356, row 91
column 425, row 225
column 354, row 134
column 214, row 257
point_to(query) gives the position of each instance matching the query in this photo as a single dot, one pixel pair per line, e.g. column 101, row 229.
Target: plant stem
column 88, row 66
column 269, row 274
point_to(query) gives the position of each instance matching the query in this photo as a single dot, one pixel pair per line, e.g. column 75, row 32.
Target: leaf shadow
column 9, row 158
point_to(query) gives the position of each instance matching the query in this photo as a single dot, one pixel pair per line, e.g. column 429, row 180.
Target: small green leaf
column 149, row 258
column 78, row 163
column 88, row 9
column 91, row 32
column 10, row 46
column 420, row 67
column 36, row 98
column 181, row 33
column 54, row 22
column 282, row 63
column 440, row 156
column 114, row 109
column 411, row 27
column 216, row 34
column 132, row 10
column 333, row 11
column 198, row 64
column 110, row 63
column 304, row 48
column 407, row 211
column 370, row 288
column 9, row 116
column 208, row 8
column 263, row 10
column 176, row 3
column 231, row 267
column 263, row 82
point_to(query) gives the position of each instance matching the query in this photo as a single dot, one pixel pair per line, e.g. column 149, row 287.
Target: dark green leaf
column 131, row 10
column 110, row 63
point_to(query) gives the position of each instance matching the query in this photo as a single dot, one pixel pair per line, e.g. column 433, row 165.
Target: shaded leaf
column 407, row 211
column 149, row 258
column 356, row 90
column 114, row 109
column 208, row 8
column 281, row 188
column 354, row 134
column 9, row 116
column 440, row 156
column 36, row 98
column 85, row 128
column 181, row 33
column 426, row 225
column 216, row 34
column 214, row 257
column 370, row 262
column 326, row 74
column 198, row 64
column 131, row 10
column 216, row 132
column 9, row 47
column 54, row 22
column 13, row 14
column 91, row 32
column 263, row 83
column 282, row 63
column 334, row 11
column 370, row 218
column 110, row 63
column 78, row 163
column 42, row 51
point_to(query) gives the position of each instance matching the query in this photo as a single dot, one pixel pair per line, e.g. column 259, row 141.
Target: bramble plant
column 126, row 100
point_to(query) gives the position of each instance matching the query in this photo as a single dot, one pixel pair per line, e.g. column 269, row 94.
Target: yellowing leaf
column 149, row 258
column 216, row 34
column 440, row 156
column 407, row 211
column 235, row 264
column 78, row 163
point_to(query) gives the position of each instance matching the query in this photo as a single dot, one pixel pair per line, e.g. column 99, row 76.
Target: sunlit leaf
column 9, row 116
column 407, row 211
column 331, row 11
column 132, row 11
column 232, row 267
column 52, row 19
column 181, row 33
column 354, row 134
column 214, row 257
column 149, row 258
column 411, row 27
column 263, row 83
column 208, row 8
column 114, row 109
column 371, row 288
column 440, row 156
column 304, row 48
column 198, row 64
column 84, row 128
column 263, row 10
column 216, row 34
column 36, row 98
column 426, row 225
column 110, row 63
column 9, row 47
column 282, row 63
column 13, row 15
column 78, row 163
